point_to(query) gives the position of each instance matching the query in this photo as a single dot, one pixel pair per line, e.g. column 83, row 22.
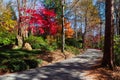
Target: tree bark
column 108, row 56
column 75, row 26
column 84, row 34
column 119, row 25
column 19, row 19
column 19, row 38
column 63, row 31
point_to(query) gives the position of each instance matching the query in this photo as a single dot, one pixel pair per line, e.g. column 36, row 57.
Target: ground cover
column 13, row 60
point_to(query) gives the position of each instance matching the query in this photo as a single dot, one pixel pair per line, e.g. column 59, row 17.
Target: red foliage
column 41, row 31
column 40, row 20
column 49, row 13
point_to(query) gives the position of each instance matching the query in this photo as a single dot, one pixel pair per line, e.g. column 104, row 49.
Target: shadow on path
column 71, row 69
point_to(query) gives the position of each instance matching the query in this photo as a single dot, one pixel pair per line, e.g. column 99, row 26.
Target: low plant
column 32, row 63
column 16, row 65
column 117, row 49
column 3, row 68
column 38, row 42
column 72, row 49
column 7, row 38
column 73, row 42
column 53, row 46
column 18, row 60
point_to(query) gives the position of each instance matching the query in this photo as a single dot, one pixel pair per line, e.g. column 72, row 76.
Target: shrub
column 32, row 63
column 7, row 38
column 17, row 65
column 3, row 68
column 36, row 42
column 72, row 49
column 73, row 42
column 17, row 55
column 4, row 56
column 40, row 43
column 53, row 46
column 100, row 43
column 117, row 49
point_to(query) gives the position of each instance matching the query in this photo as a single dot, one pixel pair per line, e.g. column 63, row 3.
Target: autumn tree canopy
column 41, row 21
column 6, row 21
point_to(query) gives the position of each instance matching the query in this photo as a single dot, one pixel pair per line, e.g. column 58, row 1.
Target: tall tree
column 19, row 6
column 89, row 13
column 108, row 57
column 59, row 7
column 6, row 21
column 63, row 31
column 56, row 5
column 75, row 26
column 100, row 4
column 117, row 16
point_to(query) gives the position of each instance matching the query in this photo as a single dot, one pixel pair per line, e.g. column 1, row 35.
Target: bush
column 72, row 49
column 117, row 49
column 32, row 63
column 36, row 42
column 7, row 38
column 17, row 55
column 73, row 42
column 40, row 43
column 3, row 68
column 53, row 46
column 4, row 56
column 17, row 65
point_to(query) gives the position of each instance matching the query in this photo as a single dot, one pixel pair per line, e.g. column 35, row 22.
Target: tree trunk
column 19, row 19
column 108, row 56
column 75, row 27
column 119, row 25
column 19, row 39
column 63, row 31
column 101, row 35
column 84, row 34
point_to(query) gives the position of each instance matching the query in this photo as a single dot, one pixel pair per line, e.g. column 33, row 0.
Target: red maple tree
column 41, row 21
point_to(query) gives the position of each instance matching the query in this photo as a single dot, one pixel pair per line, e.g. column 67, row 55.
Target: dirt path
column 76, row 68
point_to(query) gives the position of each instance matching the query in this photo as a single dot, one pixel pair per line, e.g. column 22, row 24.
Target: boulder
column 27, row 46
column 15, row 47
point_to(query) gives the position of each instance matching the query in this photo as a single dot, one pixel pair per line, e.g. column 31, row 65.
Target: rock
column 15, row 47
column 27, row 46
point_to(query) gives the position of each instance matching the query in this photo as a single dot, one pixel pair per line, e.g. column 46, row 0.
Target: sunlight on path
column 76, row 68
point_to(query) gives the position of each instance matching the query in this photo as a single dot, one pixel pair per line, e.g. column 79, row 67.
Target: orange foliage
column 68, row 30
column 59, row 28
column 67, row 25
column 69, row 33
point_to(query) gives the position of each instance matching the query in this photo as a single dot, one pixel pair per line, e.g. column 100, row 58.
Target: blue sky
column 6, row 0
column 94, row 1
column 9, row 0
